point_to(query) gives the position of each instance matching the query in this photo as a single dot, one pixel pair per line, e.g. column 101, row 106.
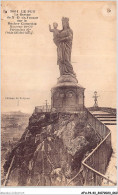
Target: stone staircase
column 104, row 117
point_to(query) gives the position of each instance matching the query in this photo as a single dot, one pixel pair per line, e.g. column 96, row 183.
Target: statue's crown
column 65, row 18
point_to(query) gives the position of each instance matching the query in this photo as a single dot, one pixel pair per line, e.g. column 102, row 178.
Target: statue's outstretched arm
column 51, row 30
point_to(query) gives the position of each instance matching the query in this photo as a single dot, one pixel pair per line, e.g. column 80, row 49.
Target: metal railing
column 44, row 108
column 95, row 164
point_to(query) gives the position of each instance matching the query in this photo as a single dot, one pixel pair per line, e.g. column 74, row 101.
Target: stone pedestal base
column 67, row 95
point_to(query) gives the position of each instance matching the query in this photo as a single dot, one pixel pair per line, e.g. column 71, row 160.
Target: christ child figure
column 54, row 30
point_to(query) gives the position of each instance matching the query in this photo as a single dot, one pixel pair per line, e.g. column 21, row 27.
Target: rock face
column 50, row 151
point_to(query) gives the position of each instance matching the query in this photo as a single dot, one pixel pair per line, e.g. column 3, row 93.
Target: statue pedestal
column 67, row 95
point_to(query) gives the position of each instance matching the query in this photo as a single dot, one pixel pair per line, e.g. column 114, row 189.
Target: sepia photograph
column 58, row 93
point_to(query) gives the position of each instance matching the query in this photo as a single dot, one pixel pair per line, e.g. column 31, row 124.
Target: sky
column 29, row 62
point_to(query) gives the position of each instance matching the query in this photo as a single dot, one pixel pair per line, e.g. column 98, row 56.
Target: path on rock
column 110, row 121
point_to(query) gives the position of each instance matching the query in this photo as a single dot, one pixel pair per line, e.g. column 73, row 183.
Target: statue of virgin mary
column 63, row 41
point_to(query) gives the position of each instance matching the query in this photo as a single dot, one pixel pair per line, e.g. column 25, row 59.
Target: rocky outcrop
column 51, row 150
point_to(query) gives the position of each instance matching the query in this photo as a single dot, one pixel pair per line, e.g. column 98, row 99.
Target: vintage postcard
column 58, row 111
